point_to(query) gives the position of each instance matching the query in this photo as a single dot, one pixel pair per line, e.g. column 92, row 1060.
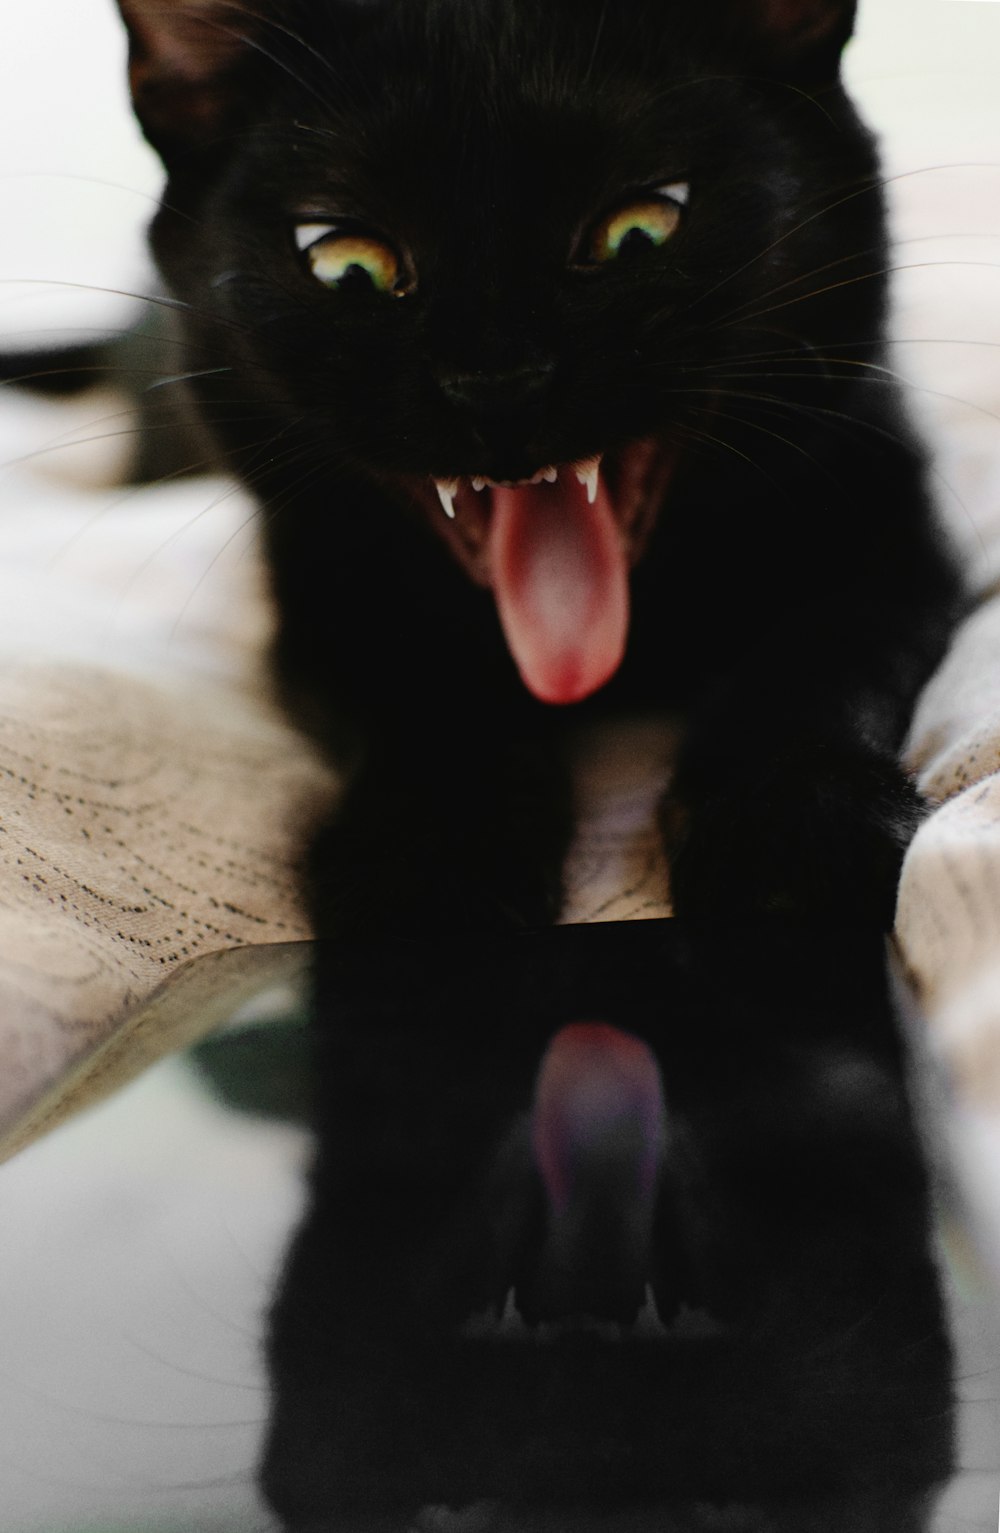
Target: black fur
column 788, row 600
column 793, row 595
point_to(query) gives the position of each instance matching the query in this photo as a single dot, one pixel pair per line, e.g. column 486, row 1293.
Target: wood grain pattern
column 147, row 832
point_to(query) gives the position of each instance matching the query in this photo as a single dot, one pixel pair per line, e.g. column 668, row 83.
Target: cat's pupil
column 633, row 240
column 355, row 276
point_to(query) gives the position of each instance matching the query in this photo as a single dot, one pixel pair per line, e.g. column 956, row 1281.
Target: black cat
column 550, row 338
column 641, row 247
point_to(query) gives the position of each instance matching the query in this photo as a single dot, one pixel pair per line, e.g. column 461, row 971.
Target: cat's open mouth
column 508, row 1326
column 556, row 550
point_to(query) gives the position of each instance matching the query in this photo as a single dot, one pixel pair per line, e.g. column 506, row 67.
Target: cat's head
column 511, row 262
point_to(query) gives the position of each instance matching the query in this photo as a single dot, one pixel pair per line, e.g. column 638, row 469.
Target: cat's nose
column 504, row 404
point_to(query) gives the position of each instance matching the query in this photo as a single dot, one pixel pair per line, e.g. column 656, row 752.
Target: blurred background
column 140, row 1242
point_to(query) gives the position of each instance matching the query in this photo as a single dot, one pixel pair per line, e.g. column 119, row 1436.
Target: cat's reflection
column 614, row 1228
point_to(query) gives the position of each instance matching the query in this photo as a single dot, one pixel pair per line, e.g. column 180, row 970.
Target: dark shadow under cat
column 551, row 340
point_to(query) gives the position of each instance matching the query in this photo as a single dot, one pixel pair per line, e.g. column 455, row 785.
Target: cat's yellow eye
column 648, row 221
column 341, row 258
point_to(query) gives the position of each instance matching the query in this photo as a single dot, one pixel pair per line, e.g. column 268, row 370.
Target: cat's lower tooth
column 587, row 471
column 447, row 490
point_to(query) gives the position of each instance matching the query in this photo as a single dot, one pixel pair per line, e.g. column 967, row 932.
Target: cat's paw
column 819, row 833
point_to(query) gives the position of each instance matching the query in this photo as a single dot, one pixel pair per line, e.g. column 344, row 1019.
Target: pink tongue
column 561, row 585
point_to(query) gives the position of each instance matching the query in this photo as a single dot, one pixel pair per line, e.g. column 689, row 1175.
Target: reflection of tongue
column 561, row 585
column 598, row 1112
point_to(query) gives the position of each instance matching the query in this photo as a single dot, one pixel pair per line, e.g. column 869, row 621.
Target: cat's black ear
column 187, row 59
column 799, row 39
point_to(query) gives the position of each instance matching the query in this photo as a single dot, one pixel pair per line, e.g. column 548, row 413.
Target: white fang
column 587, row 472
column 447, row 490
column 511, row 1321
column 647, row 1321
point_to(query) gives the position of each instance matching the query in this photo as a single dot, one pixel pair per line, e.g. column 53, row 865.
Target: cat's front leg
column 444, row 834
column 816, row 828
column 790, row 797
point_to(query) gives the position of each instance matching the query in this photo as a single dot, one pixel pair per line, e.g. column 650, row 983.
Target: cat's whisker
column 776, row 436
column 802, row 407
column 191, row 1373
column 153, row 300
column 87, row 1412
column 105, row 373
column 865, row 187
column 121, row 498
column 799, row 279
column 239, row 34
column 137, row 572
column 855, row 255
column 832, row 287
column 883, row 271
column 890, row 378
column 190, row 377
column 153, row 199
column 233, row 1480
column 68, row 440
column 102, row 372
column 872, row 373
column 700, row 434
column 932, row 469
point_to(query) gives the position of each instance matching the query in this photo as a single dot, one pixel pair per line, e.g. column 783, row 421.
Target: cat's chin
column 556, row 550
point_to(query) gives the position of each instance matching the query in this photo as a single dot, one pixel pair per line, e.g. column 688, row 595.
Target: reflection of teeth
column 447, row 490
column 647, row 1321
column 587, row 471
column 488, row 1326
column 512, row 1321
